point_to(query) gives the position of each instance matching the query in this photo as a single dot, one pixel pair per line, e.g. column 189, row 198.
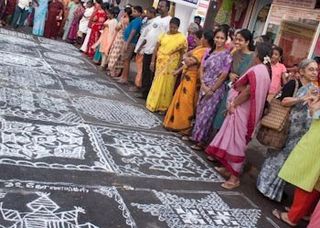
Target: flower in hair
column 266, row 60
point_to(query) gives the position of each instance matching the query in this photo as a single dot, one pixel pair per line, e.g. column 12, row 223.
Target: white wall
column 185, row 14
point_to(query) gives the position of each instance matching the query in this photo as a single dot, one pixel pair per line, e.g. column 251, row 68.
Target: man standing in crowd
column 197, row 20
column 131, row 36
column 139, row 50
column 158, row 26
column 21, row 12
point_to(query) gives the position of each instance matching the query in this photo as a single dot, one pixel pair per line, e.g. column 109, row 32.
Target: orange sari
column 182, row 108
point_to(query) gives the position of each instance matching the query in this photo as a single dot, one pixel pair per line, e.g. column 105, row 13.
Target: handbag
column 275, row 124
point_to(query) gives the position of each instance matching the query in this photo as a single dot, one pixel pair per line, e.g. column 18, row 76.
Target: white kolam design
column 93, row 87
column 23, row 61
column 116, row 112
column 43, row 106
column 46, row 146
column 63, row 58
column 151, row 155
column 207, row 212
column 16, row 77
column 15, row 40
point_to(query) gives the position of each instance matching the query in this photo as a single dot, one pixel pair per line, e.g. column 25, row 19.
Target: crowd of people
column 213, row 86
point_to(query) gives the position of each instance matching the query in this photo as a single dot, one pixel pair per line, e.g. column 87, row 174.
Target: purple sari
column 214, row 65
column 77, row 15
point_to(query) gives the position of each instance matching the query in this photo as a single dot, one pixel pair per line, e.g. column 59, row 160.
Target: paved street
column 79, row 151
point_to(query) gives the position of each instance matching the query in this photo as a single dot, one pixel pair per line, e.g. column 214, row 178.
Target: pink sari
column 230, row 144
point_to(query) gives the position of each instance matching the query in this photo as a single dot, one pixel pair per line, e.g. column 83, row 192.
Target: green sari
column 241, row 63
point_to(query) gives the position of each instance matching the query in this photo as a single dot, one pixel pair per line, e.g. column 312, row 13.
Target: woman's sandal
column 230, row 185
column 196, row 148
column 185, row 138
column 123, row 82
column 280, row 216
column 210, row 158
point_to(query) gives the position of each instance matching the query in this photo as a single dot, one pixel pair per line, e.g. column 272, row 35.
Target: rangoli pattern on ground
column 116, row 112
column 59, row 44
column 61, row 49
column 36, row 106
column 92, row 87
column 48, row 208
column 70, row 70
column 16, row 34
column 24, row 78
column 43, row 212
column 23, row 61
column 207, row 212
column 151, row 155
column 63, row 58
column 6, row 47
column 14, row 40
column 47, row 146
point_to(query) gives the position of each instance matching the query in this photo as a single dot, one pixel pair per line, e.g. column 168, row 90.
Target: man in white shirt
column 158, row 26
column 139, row 49
column 21, row 12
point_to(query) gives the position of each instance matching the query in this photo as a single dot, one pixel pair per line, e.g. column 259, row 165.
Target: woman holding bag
column 268, row 182
column 302, row 169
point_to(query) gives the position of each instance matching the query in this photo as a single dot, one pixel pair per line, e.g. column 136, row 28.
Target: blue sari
column 40, row 18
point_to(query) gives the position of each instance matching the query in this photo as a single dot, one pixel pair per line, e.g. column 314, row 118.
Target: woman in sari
column 242, row 60
column 3, row 5
column 245, row 104
column 77, row 15
column 182, row 108
column 114, row 62
column 268, row 182
column 72, row 6
column 40, row 18
column 99, row 17
column 302, row 169
column 213, row 73
column 191, row 38
column 9, row 11
column 54, row 19
column 105, row 41
column 168, row 55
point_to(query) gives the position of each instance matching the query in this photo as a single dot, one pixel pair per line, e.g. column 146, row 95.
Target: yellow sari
column 168, row 60
column 182, row 109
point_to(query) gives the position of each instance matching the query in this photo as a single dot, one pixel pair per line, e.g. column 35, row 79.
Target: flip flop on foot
column 230, row 185
column 283, row 217
column 210, row 158
column 124, row 82
column 196, row 147
column 185, row 138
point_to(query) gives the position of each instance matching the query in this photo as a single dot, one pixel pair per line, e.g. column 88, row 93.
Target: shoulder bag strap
column 296, row 88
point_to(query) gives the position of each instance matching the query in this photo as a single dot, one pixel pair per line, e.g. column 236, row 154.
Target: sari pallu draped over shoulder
column 168, row 57
column 99, row 18
column 53, row 24
column 230, row 143
column 182, row 108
